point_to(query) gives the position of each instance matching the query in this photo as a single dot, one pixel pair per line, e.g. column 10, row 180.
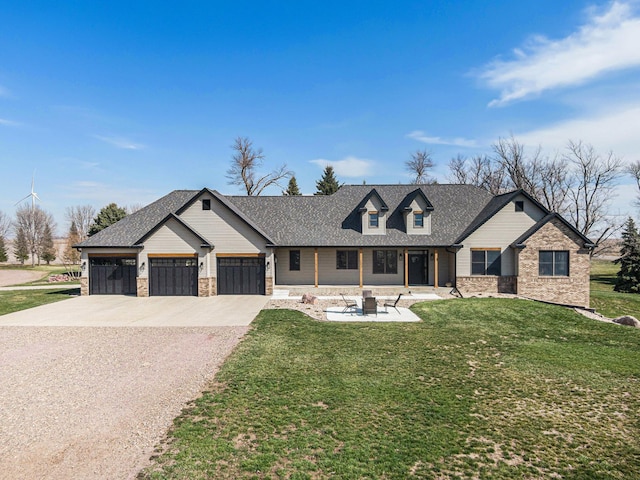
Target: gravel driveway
column 92, row 402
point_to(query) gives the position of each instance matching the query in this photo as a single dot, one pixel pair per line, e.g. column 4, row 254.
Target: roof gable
column 496, row 204
column 420, row 196
column 173, row 216
column 372, row 195
column 520, row 241
column 230, row 206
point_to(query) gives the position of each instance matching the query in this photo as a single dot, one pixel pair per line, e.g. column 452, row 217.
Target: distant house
column 204, row 243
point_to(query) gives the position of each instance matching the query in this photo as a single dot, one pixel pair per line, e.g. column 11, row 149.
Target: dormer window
column 373, row 220
column 519, row 206
column 206, row 204
column 418, row 219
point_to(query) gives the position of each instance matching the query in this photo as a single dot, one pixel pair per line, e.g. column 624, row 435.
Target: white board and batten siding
column 500, row 231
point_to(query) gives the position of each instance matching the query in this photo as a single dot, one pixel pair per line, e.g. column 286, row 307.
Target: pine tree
column 21, row 246
column 109, row 215
column 72, row 255
column 3, row 250
column 328, row 184
column 292, row 189
column 47, row 249
column 628, row 279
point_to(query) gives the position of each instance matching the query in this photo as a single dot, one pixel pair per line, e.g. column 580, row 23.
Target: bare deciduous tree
column 5, row 225
column 633, row 169
column 82, row 216
column 419, row 165
column 243, row 171
column 480, row 171
column 523, row 171
column 33, row 222
column 553, row 184
column 589, row 199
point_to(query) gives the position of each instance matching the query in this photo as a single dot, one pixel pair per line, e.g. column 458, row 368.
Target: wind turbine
column 34, row 196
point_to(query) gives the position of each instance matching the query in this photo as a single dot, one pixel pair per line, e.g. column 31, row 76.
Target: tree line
column 33, row 230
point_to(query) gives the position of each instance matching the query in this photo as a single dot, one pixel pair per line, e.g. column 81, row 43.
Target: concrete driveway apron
column 124, row 311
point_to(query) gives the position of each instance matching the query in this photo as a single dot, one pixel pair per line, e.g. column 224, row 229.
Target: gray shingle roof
column 335, row 221
column 332, row 220
column 133, row 227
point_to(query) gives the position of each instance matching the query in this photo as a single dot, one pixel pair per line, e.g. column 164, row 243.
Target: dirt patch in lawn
column 16, row 277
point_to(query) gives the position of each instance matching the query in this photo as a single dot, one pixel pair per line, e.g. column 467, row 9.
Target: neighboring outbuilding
column 204, row 243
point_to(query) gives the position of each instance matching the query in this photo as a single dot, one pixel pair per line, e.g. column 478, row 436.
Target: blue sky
column 125, row 101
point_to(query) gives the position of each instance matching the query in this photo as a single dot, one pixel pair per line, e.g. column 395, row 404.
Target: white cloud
column 9, row 123
column 348, row 166
column 120, row 142
column 612, row 130
column 458, row 142
column 606, row 42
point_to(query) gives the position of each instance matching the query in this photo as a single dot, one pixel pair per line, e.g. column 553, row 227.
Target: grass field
column 481, row 388
column 604, row 299
column 15, row 300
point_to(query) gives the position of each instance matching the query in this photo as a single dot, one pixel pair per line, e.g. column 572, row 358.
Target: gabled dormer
column 373, row 214
column 416, row 211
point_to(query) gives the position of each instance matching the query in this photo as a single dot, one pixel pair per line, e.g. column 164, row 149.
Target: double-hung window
column 385, row 261
column 418, row 220
column 485, row 262
column 373, row 220
column 347, row 260
column 553, row 263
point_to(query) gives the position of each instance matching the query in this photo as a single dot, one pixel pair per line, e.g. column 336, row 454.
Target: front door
column 418, row 268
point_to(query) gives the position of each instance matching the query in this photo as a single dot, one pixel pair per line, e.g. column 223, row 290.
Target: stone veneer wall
column 142, row 286
column 207, row 286
column 572, row 290
column 268, row 286
column 487, row 284
column 84, row 286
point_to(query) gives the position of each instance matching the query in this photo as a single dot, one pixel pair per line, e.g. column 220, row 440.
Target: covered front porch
column 397, row 270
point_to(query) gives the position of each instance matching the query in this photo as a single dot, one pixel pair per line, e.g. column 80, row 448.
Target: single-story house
column 205, row 243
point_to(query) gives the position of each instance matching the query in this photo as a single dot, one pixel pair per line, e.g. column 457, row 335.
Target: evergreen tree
column 328, row 184
column 47, row 249
column 629, row 275
column 3, row 250
column 71, row 255
column 21, row 246
column 106, row 217
column 292, row 189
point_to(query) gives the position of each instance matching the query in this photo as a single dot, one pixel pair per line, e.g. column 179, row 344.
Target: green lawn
column 14, row 300
column 604, row 299
column 481, row 388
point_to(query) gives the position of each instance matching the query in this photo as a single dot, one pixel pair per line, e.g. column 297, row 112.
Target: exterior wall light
column 142, row 267
column 84, row 266
column 201, row 266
